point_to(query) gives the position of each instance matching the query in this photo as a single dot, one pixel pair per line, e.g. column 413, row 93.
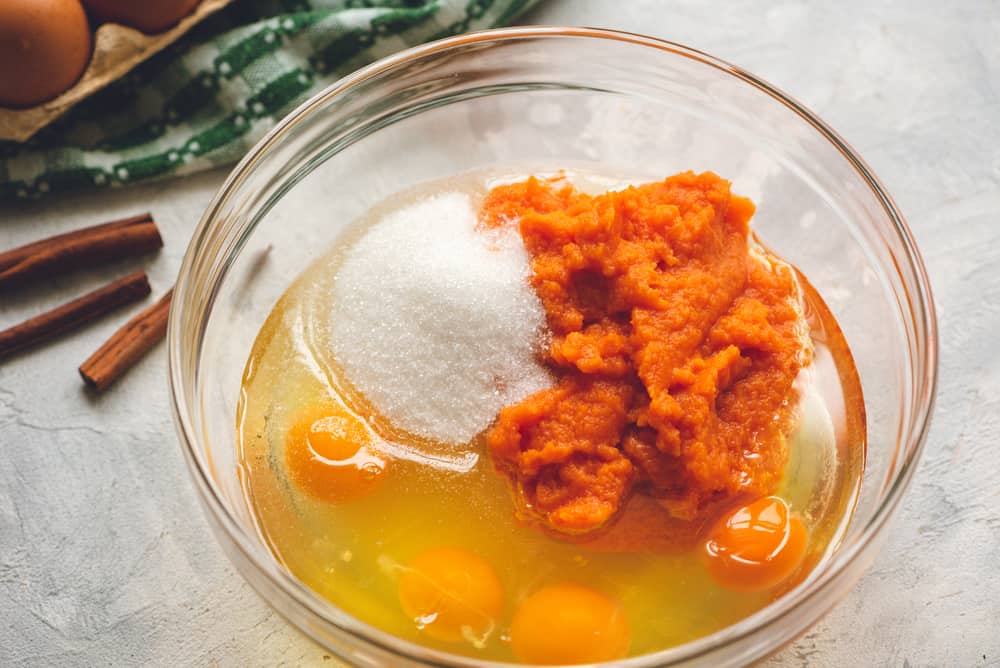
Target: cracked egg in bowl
column 552, row 346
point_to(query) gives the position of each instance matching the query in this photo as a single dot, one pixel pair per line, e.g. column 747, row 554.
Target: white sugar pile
column 434, row 322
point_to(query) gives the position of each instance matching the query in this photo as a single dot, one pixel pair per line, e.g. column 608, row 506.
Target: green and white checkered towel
column 209, row 97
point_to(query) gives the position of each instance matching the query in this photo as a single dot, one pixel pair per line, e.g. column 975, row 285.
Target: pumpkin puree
column 675, row 338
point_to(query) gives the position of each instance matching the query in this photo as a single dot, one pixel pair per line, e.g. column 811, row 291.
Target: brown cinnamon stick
column 71, row 315
column 89, row 246
column 127, row 345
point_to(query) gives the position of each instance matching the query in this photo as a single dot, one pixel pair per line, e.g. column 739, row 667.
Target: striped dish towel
column 209, row 97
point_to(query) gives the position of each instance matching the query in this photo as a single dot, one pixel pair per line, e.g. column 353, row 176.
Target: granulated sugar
column 434, row 322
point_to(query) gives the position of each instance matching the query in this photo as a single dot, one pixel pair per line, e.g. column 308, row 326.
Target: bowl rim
column 921, row 310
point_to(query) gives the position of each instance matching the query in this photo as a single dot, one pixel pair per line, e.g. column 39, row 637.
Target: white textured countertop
column 105, row 558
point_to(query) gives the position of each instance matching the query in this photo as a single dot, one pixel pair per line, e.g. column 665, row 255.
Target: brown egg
column 149, row 16
column 44, row 48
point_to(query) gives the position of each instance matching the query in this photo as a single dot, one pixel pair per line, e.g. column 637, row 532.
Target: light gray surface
column 105, row 558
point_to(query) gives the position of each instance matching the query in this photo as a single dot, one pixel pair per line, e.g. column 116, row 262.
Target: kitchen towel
column 208, row 98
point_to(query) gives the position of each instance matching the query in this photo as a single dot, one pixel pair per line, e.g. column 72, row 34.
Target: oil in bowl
column 372, row 456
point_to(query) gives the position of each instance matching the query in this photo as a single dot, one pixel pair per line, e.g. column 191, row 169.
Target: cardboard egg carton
column 117, row 49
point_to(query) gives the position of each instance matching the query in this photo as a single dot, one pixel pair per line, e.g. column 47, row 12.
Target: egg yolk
column 329, row 455
column 569, row 623
column 756, row 546
column 452, row 595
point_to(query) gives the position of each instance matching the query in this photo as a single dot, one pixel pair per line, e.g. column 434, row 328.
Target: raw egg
column 569, row 623
column 756, row 546
column 329, row 454
column 149, row 16
column 44, row 48
column 452, row 595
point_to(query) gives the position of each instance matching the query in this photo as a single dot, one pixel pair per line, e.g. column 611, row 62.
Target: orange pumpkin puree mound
column 676, row 340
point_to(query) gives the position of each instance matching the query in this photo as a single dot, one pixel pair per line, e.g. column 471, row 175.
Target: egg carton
column 117, row 49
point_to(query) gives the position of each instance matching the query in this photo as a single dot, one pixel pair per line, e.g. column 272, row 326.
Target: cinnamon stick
column 127, row 345
column 89, row 246
column 71, row 315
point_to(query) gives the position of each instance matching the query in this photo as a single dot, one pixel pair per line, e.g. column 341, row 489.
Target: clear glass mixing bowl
column 551, row 97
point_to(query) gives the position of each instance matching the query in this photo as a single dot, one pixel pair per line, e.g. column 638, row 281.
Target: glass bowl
column 551, row 97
